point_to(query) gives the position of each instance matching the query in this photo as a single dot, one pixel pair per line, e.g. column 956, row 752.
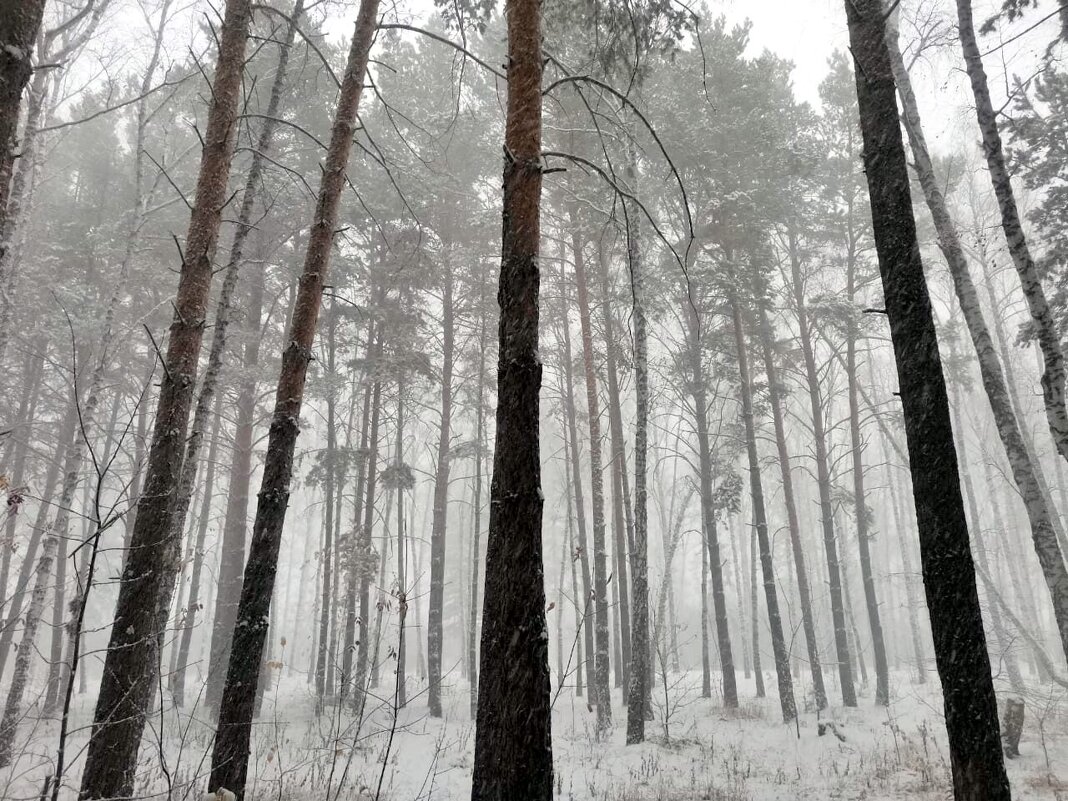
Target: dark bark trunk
column 513, row 743
column 949, row 574
column 229, row 762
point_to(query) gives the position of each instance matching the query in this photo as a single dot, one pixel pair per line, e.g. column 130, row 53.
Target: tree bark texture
column 513, row 742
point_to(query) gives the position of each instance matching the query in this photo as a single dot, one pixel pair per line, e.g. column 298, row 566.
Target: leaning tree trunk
column 1021, row 459
column 129, row 675
column 793, row 525
column 18, row 34
column 513, row 744
column 601, row 696
column 949, row 574
column 823, row 481
column 229, row 760
column 436, row 598
column 767, row 568
column 1044, row 325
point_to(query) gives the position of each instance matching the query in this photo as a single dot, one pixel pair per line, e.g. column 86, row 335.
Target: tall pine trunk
column 436, row 598
column 583, row 551
column 640, row 689
column 229, row 760
column 513, row 743
column 793, row 525
column 709, row 532
column 949, row 574
column 129, row 675
column 823, row 481
column 601, row 697
column 767, row 568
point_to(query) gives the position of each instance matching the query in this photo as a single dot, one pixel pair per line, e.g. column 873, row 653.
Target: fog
column 716, row 452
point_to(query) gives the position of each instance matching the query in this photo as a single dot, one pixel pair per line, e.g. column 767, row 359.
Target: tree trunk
column 21, row 446
column 1044, row 325
column 436, row 598
column 18, row 35
column 235, row 520
column 640, row 689
column 1006, row 655
column 68, row 431
column 778, row 641
column 129, row 675
column 352, row 585
column 580, row 503
column 860, row 505
column 949, row 574
column 364, row 559
column 823, row 481
column 622, row 517
column 229, row 762
column 194, row 605
column 602, row 697
column 903, row 526
column 793, row 525
column 708, row 511
column 513, row 744
column 476, row 551
column 324, row 653
column 754, row 610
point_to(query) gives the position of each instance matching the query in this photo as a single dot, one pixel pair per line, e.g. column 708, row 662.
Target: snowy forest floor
column 702, row 752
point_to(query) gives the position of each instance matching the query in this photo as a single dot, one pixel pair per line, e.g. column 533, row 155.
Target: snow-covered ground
column 699, row 752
